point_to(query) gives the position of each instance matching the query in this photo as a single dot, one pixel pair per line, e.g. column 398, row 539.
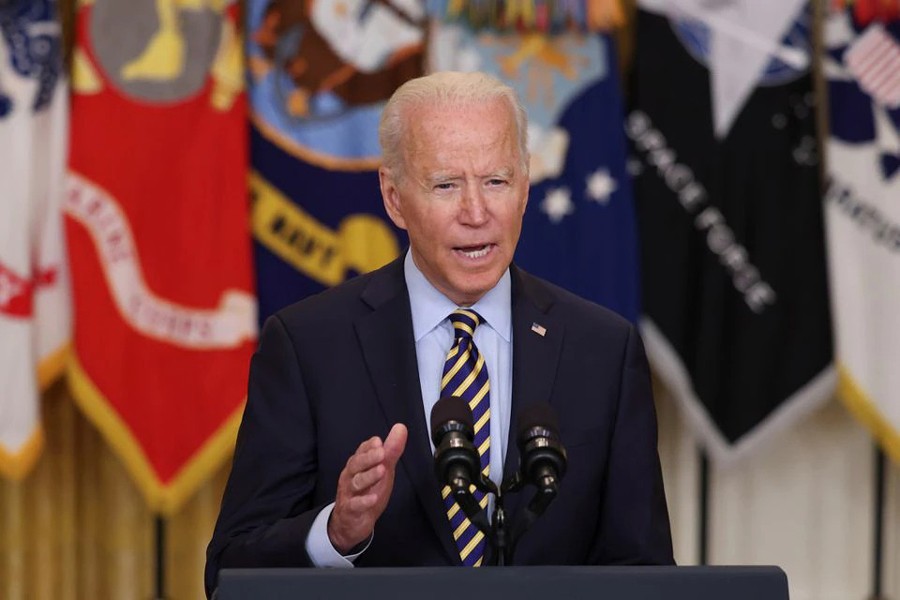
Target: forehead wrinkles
column 460, row 137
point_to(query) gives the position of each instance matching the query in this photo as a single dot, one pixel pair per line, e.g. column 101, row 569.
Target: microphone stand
column 473, row 510
column 497, row 530
column 505, row 554
column 544, row 495
column 501, row 544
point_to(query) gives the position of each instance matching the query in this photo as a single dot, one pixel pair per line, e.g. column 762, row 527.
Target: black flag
column 722, row 126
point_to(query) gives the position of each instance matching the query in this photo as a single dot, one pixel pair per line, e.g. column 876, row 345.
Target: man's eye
column 443, row 186
column 495, row 182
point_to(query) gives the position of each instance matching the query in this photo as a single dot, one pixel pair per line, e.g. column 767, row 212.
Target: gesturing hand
column 364, row 488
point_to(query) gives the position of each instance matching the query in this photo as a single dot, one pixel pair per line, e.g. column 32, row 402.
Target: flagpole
column 160, row 578
column 878, row 542
column 703, row 529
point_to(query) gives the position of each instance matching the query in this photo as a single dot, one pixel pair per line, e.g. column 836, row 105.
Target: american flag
column 874, row 59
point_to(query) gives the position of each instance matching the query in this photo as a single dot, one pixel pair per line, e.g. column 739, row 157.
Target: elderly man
column 315, row 480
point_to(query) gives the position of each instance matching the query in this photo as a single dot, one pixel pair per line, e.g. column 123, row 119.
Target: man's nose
column 473, row 209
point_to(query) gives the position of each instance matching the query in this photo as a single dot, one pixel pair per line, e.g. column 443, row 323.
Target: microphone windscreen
column 450, row 408
column 537, row 415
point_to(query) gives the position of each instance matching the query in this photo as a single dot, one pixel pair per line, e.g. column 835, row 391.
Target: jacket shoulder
column 570, row 307
column 344, row 302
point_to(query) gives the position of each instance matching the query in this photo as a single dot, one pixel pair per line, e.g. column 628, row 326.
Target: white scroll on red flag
column 157, row 207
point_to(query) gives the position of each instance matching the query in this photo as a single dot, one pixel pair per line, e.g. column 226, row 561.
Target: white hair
column 448, row 89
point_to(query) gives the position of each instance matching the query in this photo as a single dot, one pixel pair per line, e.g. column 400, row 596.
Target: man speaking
column 333, row 464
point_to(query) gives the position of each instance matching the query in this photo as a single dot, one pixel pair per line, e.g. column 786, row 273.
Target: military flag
column 34, row 293
column 862, row 64
column 736, row 316
column 157, row 221
column 579, row 230
column 320, row 73
column 320, row 77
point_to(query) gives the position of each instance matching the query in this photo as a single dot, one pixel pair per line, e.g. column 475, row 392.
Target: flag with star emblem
column 579, row 230
column 862, row 63
column 156, row 213
column 736, row 316
column 34, row 291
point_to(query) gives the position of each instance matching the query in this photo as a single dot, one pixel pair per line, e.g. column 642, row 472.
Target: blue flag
column 579, row 230
column 319, row 78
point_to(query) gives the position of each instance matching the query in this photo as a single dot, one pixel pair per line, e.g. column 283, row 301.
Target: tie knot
column 464, row 322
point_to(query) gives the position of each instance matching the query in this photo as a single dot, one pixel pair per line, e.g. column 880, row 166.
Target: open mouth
column 477, row 251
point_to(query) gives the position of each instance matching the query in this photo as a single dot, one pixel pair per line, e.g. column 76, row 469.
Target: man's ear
column 527, row 181
column 390, row 194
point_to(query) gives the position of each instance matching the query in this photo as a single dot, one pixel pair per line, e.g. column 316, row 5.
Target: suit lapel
column 388, row 345
column 537, row 343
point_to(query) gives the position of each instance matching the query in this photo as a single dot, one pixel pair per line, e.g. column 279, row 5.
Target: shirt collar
column 430, row 307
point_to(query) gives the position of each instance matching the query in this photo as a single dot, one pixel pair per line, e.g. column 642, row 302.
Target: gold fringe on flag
column 528, row 16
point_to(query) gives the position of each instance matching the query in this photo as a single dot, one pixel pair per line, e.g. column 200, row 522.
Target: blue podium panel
column 518, row 583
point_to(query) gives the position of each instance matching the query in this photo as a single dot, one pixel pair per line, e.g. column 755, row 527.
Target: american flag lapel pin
column 539, row 329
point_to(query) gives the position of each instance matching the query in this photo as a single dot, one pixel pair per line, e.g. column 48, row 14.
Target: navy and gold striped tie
column 466, row 376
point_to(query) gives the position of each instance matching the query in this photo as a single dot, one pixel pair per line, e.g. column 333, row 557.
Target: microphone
column 456, row 460
column 542, row 463
column 543, row 459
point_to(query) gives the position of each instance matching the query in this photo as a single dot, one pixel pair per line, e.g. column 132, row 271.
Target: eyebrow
column 505, row 172
column 442, row 176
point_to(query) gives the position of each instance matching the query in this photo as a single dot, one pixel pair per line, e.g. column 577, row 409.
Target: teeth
column 476, row 253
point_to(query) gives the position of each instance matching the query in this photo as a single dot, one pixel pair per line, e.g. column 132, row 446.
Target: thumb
column 394, row 444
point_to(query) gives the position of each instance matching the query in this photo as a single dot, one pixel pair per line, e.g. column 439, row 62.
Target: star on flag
column 600, row 186
column 557, row 204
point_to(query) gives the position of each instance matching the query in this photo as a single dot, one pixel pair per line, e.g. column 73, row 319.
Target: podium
column 517, row 583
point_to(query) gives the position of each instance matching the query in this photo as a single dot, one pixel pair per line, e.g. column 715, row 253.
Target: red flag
column 157, row 222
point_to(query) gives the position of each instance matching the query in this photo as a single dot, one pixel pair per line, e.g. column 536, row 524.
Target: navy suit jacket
column 340, row 367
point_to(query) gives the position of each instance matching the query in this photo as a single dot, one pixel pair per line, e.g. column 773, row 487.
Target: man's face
column 461, row 195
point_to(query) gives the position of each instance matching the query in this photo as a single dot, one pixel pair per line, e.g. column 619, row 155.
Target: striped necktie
column 466, row 376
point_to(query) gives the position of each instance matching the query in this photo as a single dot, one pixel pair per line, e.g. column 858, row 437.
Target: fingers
column 373, row 452
column 361, row 504
column 369, row 454
column 363, row 480
column 395, row 443
column 373, row 458
column 364, row 488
